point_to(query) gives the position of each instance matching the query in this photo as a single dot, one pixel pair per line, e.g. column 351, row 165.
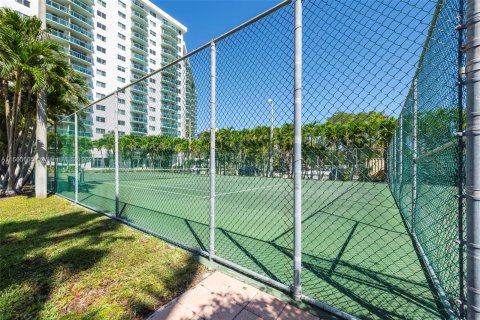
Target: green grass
column 357, row 254
column 58, row 261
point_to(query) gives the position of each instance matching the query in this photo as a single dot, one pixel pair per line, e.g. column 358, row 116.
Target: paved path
column 221, row 297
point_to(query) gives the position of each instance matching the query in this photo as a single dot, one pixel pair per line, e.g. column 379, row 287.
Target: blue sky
column 206, row 20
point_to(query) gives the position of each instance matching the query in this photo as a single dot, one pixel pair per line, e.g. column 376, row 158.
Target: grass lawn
column 60, row 261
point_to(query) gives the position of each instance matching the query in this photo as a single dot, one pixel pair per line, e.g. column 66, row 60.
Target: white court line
column 202, row 197
column 246, row 190
column 150, row 189
column 166, row 186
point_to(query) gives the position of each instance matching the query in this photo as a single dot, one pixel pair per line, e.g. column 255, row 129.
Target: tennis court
column 357, row 254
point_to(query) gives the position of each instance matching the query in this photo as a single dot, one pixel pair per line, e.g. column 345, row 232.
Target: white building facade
column 115, row 42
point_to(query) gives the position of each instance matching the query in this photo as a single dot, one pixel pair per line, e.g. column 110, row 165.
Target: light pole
column 270, row 151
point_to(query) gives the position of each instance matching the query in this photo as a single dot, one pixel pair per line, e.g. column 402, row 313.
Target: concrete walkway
column 221, row 297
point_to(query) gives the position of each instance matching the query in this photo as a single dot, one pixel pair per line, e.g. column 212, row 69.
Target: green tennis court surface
column 357, row 255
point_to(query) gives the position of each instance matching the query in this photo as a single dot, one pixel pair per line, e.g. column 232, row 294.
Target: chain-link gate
column 203, row 153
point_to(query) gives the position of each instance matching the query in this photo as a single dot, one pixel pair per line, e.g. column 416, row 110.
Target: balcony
column 170, row 54
column 77, row 56
column 169, row 90
column 82, row 32
column 170, row 36
column 137, row 5
column 81, row 69
column 139, row 58
column 139, row 130
column 139, row 109
column 139, row 119
column 168, row 125
column 82, row 7
column 170, row 99
column 169, row 108
column 139, row 18
column 139, row 48
column 169, row 72
column 170, row 82
column 79, row 18
column 169, row 28
column 170, row 45
column 139, row 68
column 139, row 27
column 85, row 134
column 139, row 89
column 169, row 117
column 69, row 39
column 140, row 38
column 139, row 99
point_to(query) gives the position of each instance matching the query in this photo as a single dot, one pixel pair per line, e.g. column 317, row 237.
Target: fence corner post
column 297, row 163
column 414, row 153
column 472, row 133
column 117, row 180
column 213, row 87
column 76, row 156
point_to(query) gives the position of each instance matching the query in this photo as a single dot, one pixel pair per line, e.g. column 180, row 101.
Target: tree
column 29, row 62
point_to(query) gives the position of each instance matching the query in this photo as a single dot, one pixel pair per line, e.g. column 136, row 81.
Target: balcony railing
column 67, row 24
column 139, row 26
column 139, row 129
column 83, row 6
column 81, row 69
column 71, row 39
column 140, row 47
column 72, row 13
column 139, row 109
column 139, row 119
column 80, row 56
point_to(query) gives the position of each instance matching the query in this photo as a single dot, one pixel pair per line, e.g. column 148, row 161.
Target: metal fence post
column 414, row 153
column 297, row 150
column 400, row 154
column 472, row 133
column 76, row 156
column 117, row 180
column 213, row 86
column 55, row 158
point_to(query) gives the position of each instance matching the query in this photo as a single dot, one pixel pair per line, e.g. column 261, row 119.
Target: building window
column 151, row 118
column 121, row 122
column 120, row 79
column 153, row 90
column 101, row 84
column 152, row 128
column 121, row 58
column 101, row 49
column 152, row 109
column 102, row 3
column 121, row 101
column 101, row 61
column 120, row 68
column 153, row 13
column 122, row 15
column 101, row 14
column 153, row 42
column 26, row 3
column 101, row 26
column 100, row 119
column 101, row 38
column 152, row 99
column 153, row 52
column 153, row 62
column 152, row 80
column 121, row 47
column 101, row 73
column 121, row 36
column 122, row 4
column 100, row 95
column 100, row 107
column 121, row 112
column 153, row 23
column 153, row 33
column 99, row 130
column 121, row 26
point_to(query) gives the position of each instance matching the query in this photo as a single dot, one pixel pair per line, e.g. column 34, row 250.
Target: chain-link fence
column 202, row 153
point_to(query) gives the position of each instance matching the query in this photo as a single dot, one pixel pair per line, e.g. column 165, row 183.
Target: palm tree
column 29, row 62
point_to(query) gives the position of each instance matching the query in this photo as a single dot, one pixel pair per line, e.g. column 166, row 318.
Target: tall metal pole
column 117, row 180
column 460, row 161
column 400, row 155
column 472, row 133
column 76, row 156
column 270, row 150
column 55, row 173
column 213, row 87
column 297, row 156
column 414, row 153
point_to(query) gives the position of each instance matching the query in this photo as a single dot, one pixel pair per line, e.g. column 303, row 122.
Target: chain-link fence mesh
column 378, row 237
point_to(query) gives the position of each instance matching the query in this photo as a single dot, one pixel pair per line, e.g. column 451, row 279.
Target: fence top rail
column 191, row 53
